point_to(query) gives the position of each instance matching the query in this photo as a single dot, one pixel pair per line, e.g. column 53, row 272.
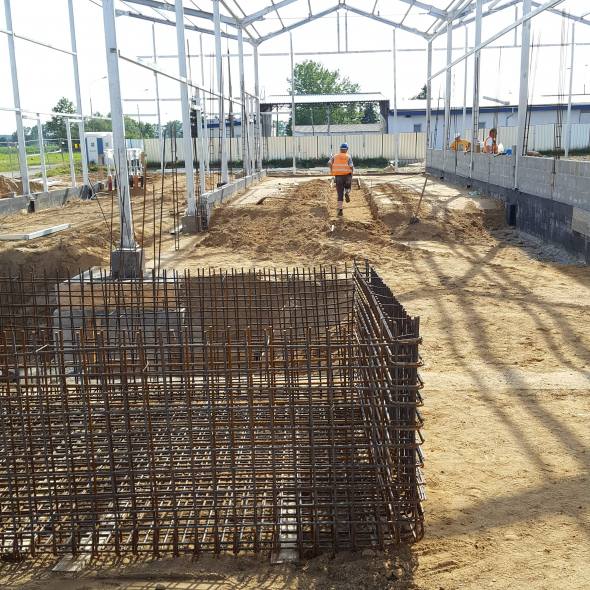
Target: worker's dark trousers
column 343, row 181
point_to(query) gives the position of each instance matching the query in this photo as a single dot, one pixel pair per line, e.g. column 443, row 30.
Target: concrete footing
column 127, row 262
column 190, row 224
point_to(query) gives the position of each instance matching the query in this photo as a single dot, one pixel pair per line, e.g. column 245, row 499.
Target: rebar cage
column 221, row 411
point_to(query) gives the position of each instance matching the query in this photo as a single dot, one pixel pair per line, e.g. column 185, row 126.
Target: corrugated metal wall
column 411, row 145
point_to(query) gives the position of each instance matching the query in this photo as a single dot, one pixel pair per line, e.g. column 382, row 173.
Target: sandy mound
column 10, row 185
column 396, row 205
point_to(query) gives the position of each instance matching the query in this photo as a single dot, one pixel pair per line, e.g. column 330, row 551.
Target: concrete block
column 127, row 262
column 14, row 205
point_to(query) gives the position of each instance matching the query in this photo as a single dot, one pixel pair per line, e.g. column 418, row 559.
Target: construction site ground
column 505, row 321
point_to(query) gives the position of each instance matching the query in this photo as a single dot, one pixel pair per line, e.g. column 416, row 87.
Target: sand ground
column 505, row 321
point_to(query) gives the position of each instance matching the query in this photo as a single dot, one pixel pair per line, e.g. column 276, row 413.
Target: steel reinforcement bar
column 219, row 412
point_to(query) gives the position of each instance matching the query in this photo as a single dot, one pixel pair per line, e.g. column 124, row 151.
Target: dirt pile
column 456, row 219
column 10, row 185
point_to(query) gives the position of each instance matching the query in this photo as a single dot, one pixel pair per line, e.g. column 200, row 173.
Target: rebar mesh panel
column 219, row 412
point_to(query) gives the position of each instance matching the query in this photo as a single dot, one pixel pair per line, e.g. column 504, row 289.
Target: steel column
column 293, row 104
column 568, row 132
column 476, row 71
column 42, row 153
column 465, row 86
column 20, row 130
column 70, row 152
column 524, row 87
column 220, row 86
column 447, row 130
column 205, row 126
column 245, row 156
column 395, row 133
column 134, row 263
column 160, row 141
column 258, row 122
column 428, row 94
column 189, row 170
column 83, row 155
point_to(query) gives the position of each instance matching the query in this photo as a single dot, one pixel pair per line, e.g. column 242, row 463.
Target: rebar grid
column 217, row 412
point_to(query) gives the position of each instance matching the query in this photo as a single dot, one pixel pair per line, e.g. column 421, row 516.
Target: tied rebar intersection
column 222, row 411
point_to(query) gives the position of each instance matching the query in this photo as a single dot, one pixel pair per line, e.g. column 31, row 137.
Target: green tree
column 311, row 77
column 421, row 95
column 168, row 129
column 370, row 115
column 56, row 127
column 99, row 125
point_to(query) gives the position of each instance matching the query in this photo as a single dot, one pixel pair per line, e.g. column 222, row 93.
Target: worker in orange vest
column 490, row 146
column 341, row 167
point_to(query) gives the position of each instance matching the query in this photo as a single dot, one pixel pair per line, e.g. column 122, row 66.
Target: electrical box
column 96, row 144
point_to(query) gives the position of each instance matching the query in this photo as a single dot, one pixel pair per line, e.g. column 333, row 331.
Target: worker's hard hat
column 344, row 145
column 457, row 135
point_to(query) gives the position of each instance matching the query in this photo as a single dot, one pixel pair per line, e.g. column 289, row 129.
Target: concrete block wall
column 535, row 176
column 221, row 194
column 481, row 167
column 437, row 159
column 463, row 167
column 572, row 183
column 502, row 170
column 450, row 161
column 559, row 210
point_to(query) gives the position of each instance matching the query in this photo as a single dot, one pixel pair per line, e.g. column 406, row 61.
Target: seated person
column 460, row 142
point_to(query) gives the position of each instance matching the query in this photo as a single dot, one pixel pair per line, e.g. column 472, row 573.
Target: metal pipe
column 20, row 131
column 568, row 132
column 220, row 89
column 338, row 29
column 81, row 133
column 524, row 88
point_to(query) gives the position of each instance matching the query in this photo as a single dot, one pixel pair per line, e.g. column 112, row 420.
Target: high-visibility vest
column 340, row 165
column 493, row 149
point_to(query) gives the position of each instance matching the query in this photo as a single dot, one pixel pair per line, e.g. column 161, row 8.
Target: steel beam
column 24, row 38
column 161, row 21
column 205, row 128
column 20, row 131
column 81, row 131
column 71, row 153
column 248, row 20
column 187, row 11
column 160, row 140
column 384, row 21
column 189, row 170
column 523, row 19
column 465, row 86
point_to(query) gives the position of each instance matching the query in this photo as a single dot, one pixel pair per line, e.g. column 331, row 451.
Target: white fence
column 411, row 145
